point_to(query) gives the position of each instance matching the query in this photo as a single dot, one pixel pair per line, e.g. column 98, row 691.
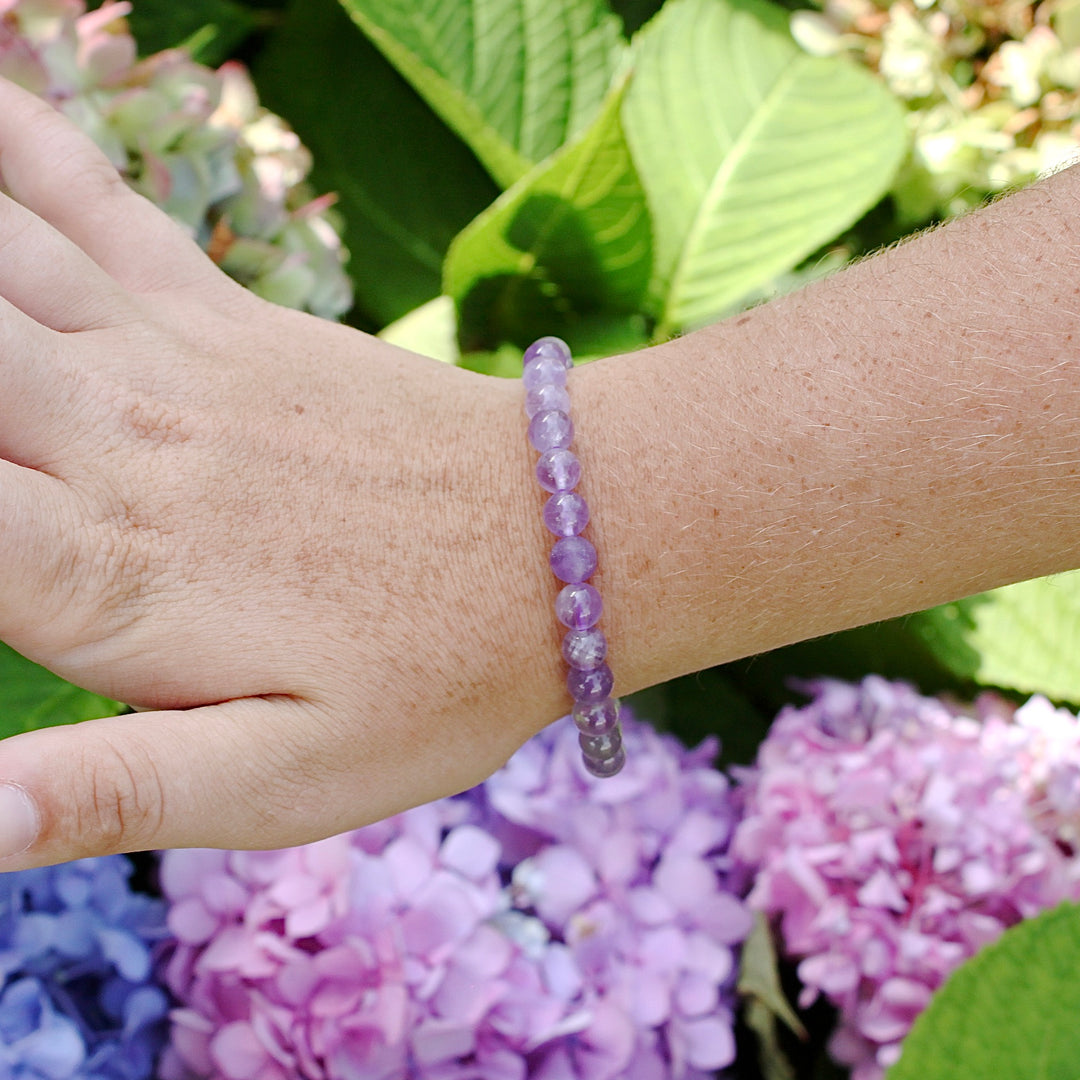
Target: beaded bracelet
column 573, row 558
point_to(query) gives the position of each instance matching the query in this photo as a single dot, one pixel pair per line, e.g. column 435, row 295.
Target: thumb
column 205, row 777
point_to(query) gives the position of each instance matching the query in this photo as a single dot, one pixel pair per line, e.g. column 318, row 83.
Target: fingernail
column 19, row 820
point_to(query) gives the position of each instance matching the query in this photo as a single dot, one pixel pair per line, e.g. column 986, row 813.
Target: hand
column 317, row 558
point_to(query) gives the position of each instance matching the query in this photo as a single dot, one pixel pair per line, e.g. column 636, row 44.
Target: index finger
column 60, row 174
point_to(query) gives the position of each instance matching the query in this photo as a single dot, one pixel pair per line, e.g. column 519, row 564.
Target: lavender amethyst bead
column 566, row 513
column 601, row 746
column 545, row 398
column 588, row 686
column 578, row 606
column 597, row 717
column 558, row 470
column 604, row 767
column 550, row 430
column 573, row 559
column 543, row 370
column 549, row 346
column 584, row 649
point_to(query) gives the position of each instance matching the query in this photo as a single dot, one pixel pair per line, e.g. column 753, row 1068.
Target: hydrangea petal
column 890, row 836
column 236, row 1050
column 710, row 1043
column 422, row 961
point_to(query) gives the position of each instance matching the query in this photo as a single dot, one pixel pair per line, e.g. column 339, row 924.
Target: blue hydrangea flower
column 77, row 997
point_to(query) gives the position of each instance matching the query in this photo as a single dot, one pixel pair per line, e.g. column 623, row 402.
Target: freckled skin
column 318, row 562
column 898, row 435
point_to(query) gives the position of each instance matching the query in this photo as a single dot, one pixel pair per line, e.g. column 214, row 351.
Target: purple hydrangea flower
column 77, row 997
column 630, row 875
column 543, row 926
column 890, row 837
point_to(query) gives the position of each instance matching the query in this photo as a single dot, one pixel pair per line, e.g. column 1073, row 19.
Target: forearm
column 901, row 434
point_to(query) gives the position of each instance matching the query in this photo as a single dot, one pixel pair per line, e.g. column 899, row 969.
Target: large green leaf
column 406, row 184
column 31, row 697
column 1023, row 637
column 513, row 78
column 1009, row 1013
column 753, row 153
column 570, row 239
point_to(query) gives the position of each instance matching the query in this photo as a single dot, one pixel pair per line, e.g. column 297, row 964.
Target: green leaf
column 31, row 697
column 513, row 78
column 430, row 330
column 1009, row 1013
column 764, row 1002
column 1023, row 637
column 210, row 29
column 569, row 240
column 707, row 703
column 605, row 334
column 635, row 13
column 406, row 185
column 894, row 649
column 759, row 975
column 505, row 362
column 753, row 154
column 592, row 339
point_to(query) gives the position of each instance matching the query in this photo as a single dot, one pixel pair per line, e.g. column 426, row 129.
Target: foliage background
column 508, row 169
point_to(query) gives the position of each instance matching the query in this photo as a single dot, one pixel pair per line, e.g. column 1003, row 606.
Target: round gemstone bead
column 601, row 746
column 589, row 686
column 543, row 370
column 550, row 430
column 558, row 470
column 545, row 398
column 584, row 649
column 597, row 717
column 549, row 346
column 604, row 767
column 566, row 513
column 578, row 606
column 573, row 559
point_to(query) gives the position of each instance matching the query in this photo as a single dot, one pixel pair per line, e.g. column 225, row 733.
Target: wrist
column 890, row 438
column 511, row 582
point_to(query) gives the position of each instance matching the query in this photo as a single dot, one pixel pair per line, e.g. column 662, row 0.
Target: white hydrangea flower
column 193, row 140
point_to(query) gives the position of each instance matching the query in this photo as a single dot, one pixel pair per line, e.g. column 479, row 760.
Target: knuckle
column 123, row 803
column 98, row 177
column 288, row 798
column 12, row 236
column 133, row 413
column 155, row 421
column 100, row 569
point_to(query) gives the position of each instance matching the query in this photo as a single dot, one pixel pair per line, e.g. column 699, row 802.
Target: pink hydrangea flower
column 366, row 954
column 890, row 837
column 546, row 926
